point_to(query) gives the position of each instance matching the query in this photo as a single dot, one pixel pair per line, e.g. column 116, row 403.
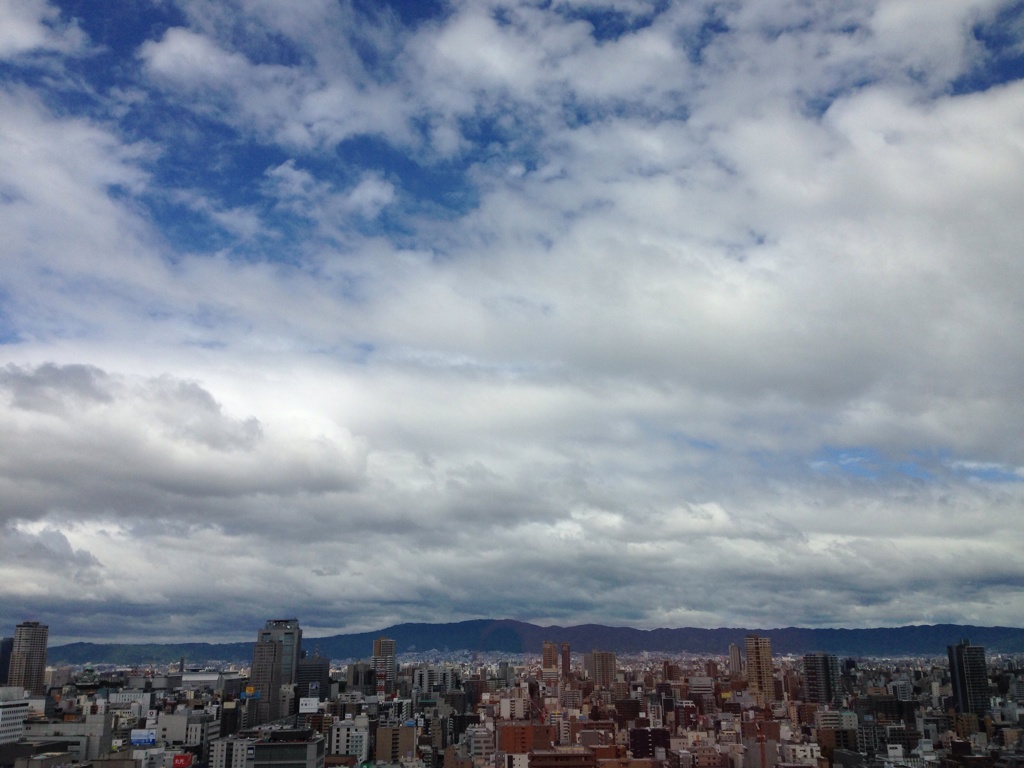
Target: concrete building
column 187, row 729
column 841, row 719
column 275, row 659
column 351, row 737
column 6, row 646
column 28, row 657
column 968, row 671
column 563, row 757
column 13, row 711
column 603, row 668
column 521, row 738
column 803, row 754
column 821, row 678
column 760, row 673
column 87, row 737
column 549, row 655
column 648, row 743
column 385, row 665
column 735, row 662
column 313, row 678
column 269, row 748
column 394, row 742
column 479, row 742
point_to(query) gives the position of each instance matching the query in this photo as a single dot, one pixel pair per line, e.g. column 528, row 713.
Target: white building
column 807, row 754
column 13, row 711
column 351, row 736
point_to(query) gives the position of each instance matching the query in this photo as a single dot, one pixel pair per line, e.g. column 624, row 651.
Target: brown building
column 453, row 759
column 706, row 756
column 831, row 739
column 520, row 738
column 562, row 757
column 549, row 655
column 395, row 743
column 752, row 729
column 760, row 673
column 603, row 668
column 28, row 658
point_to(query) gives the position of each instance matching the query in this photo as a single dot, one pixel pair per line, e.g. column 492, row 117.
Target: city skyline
column 636, row 313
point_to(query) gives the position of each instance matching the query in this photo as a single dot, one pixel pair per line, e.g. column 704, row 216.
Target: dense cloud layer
column 699, row 313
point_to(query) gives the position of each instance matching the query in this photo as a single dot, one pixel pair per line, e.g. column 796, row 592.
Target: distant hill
column 509, row 636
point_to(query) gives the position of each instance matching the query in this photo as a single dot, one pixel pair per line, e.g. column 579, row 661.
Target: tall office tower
column 821, row 678
column 549, row 663
column 28, row 657
column 385, row 665
column 604, row 668
column 735, row 661
column 275, row 660
column 566, row 661
column 760, row 675
column 313, row 678
column 6, row 646
column 969, row 672
column 549, row 655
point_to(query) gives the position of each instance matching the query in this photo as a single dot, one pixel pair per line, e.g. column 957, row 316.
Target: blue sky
column 625, row 311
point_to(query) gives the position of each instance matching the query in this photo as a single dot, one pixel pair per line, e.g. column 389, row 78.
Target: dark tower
column 969, row 672
column 275, row 659
column 821, row 678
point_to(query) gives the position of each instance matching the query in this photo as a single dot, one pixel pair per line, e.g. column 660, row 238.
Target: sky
column 635, row 312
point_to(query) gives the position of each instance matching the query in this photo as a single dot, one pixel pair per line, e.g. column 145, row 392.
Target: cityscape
column 287, row 706
column 511, row 384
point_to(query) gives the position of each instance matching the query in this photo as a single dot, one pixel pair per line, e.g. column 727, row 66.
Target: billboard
column 182, row 761
column 143, row 737
column 308, row 705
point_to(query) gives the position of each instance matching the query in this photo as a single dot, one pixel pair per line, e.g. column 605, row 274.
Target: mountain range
column 513, row 637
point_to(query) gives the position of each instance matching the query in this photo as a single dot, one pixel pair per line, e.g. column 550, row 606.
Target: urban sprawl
column 557, row 708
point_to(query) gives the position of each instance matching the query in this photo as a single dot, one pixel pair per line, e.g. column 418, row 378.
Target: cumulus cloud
column 32, row 27
column 704, row 312
column 162, row 442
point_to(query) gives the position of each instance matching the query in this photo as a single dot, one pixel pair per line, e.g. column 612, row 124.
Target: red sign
column 182, row 761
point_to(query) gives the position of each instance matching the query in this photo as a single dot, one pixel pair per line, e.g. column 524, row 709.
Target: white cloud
column 32, row 26
column 736, row 300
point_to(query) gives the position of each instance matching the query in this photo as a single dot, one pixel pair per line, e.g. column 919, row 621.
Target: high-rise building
column 549, row 655
column 385, row 665
column 969, row 673
column 821, row 678
column 760, row 674
column 603, row 668
column 549, row 662
column 735, row 662
column 275, row 660
column 6, row 646
column 313, row 677
column 28, row 657
column 566, row 661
